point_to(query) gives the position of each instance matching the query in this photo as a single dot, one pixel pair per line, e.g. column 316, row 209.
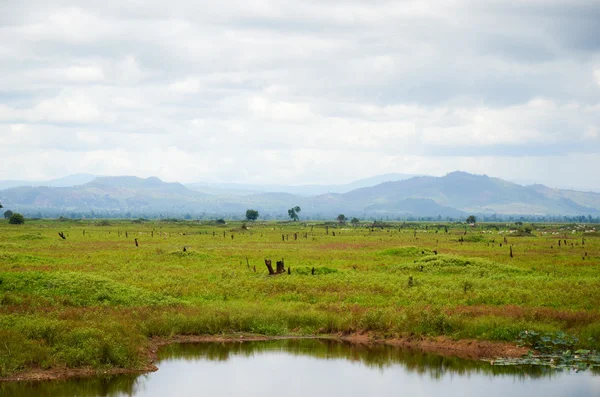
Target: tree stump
column 269, row 266
column 280, row 266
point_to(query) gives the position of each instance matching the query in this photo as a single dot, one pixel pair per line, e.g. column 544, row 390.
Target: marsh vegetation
column 94, row 296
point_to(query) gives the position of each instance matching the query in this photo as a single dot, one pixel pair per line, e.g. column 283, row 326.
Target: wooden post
column 136, row 242
column 269, row 266
column 312, row 271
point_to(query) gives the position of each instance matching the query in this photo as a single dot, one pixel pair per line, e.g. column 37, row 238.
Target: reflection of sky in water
column 280, row 374
column 314, row 368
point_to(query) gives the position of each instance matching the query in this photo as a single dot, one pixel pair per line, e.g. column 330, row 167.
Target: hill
column 453, row 195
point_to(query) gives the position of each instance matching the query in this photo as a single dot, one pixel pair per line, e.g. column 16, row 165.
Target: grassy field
column 94, row 298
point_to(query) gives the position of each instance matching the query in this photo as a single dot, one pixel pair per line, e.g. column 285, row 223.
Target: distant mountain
column 67, row 181
column 454, row 195
column 241, row 189
column 479, row 194
column 104, row 193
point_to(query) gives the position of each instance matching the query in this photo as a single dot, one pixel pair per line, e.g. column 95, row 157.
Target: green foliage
column 7, row 214
column 341, row 218
column 471, row 219
column 17, row 352
column 473, row 238
column 76, row 289
column 406, row 251
column 251, row 215
column 319, row 271
column 547, row 342
column 16, row 219
column 95, row 298
column 293, row 213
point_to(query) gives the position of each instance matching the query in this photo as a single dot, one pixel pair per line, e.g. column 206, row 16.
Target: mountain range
column 393, row 195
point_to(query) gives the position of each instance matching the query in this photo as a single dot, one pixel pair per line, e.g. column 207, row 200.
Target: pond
column 309, row 367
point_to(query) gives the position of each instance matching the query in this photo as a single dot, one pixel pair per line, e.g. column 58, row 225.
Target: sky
column 295, row 92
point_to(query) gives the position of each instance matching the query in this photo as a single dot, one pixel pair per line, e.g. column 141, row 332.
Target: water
column 317, row 368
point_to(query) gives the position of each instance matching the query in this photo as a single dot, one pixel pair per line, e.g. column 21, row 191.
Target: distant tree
column 471, row 219
column 293, row 213
column 341, row 218
column 251, row 215
column 355, row 221
column 1, row 205
column 221, row 221
column 7, row 214
column 16, row 219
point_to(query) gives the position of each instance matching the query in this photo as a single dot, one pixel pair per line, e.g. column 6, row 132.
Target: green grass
column 95, row 298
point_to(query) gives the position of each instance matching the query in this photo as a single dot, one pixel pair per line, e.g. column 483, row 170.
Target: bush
column 16, row 219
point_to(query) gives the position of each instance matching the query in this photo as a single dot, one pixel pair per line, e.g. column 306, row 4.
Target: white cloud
column 187, row 86
column 195, row 92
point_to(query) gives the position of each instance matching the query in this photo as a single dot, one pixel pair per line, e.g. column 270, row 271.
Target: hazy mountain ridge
column 67, row 181
column 453, row 195
column 301, row 190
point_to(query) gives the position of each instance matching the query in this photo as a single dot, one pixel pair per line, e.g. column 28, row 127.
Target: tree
column 293, row 213
column 355, row 221
column 7, row 214
column 16, row 219
column 251, row 215
column 341, row 218
column 471, row 219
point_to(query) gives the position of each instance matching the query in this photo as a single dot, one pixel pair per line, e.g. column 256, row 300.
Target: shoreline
column 470, row 349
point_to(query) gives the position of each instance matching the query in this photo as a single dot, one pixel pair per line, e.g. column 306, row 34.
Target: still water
column 317, row 368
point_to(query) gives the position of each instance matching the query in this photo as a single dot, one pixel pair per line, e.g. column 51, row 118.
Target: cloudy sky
column 294, row 92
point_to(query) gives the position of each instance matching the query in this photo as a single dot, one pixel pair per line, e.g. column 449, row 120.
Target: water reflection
column 373, row 356
column 316, row 368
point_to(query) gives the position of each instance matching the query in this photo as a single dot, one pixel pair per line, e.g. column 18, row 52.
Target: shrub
column 16, row 219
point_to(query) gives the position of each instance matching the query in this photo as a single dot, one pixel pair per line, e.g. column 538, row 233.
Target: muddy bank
column 464, row 348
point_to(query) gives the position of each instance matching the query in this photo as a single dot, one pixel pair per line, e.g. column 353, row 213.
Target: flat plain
column 97, row 297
